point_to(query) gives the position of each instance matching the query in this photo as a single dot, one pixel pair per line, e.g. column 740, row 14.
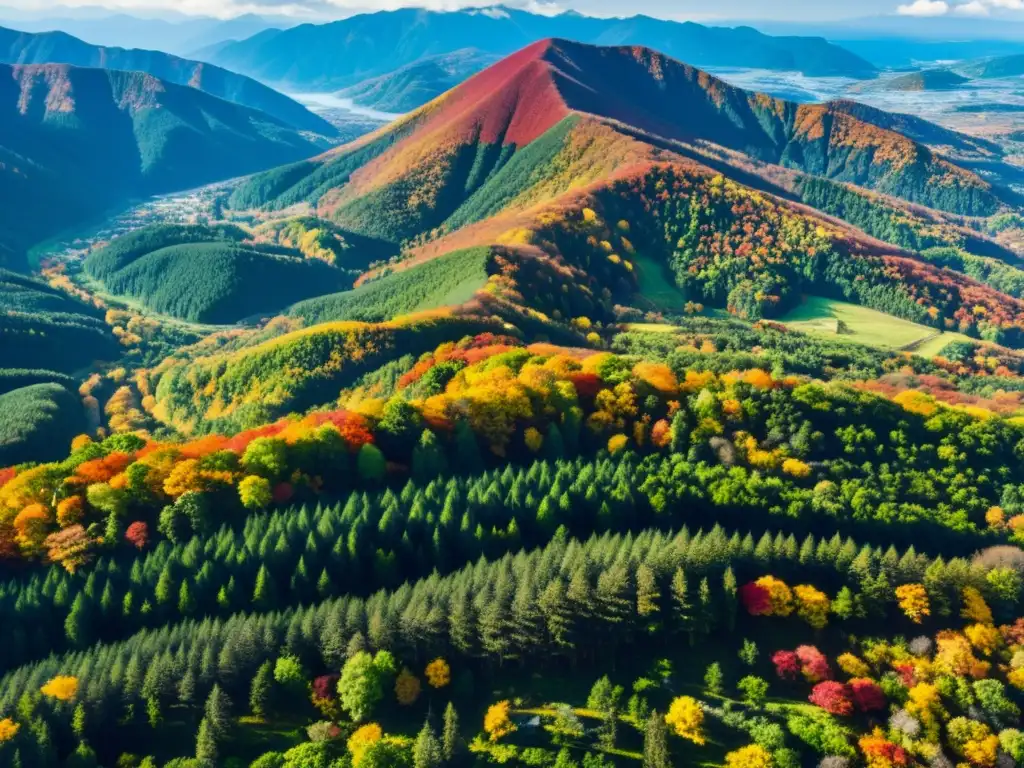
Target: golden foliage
column 363, row 738
column 751, row 756
column 438, row 673
column 686, row 718
column 8, row 729
column 62, row 688
column 497, row 722
column 913, row 601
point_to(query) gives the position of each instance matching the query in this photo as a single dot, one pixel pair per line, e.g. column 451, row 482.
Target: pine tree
column 426, row 752
column 682, row 607
column 451, row 743
column 218, row 713
column 261, row 690
column 206, row 744
column 656, row 742
column 78, row 624
column 264, row 594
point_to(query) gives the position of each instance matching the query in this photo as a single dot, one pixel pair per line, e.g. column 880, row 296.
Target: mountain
column 75, row 141
column 514, row 158
column 993, row 67
column 476, row 128
column 343, row 53
column 178, row 34
column 925, row 80
column 413, row 85
column 60, row 48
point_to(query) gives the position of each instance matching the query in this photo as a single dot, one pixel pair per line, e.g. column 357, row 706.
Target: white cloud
column 973, row 8
column 924, row 8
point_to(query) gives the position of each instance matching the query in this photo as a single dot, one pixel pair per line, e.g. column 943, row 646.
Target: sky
column 698, row 10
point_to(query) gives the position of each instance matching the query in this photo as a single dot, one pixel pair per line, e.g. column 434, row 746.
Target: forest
column 624, row 419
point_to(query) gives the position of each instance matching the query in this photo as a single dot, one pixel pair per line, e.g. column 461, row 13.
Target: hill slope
column 585, row 167
column 925, row 80
column 75, row 141
column 430, row 163
column 998, row 66
column 210, row 276
column 415, row 84
column 61, row 48
column 336, row 55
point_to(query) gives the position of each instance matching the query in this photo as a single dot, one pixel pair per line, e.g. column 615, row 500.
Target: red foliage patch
column 867, row 695
column 787, row 665
column 756, row 599
column 137, row 534
column 833, row 697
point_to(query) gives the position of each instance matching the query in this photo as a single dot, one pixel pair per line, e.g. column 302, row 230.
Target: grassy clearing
column 656, row 285
column 852, row 322
column 931, row 347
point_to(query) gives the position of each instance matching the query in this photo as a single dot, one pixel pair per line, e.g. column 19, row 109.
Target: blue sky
column 701, row 10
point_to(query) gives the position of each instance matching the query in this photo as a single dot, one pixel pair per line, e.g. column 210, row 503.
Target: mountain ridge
column 18, row 48
column 307, row 56
column 74, row 141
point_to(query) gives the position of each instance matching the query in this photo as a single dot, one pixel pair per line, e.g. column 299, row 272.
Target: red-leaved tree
column 833, row 697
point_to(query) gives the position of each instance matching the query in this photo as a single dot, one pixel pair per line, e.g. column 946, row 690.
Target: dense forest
column 207, row 275
column 540, row 428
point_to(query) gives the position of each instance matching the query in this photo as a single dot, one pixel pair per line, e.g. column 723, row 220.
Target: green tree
column 206, row 744
column 262, row 690
column 451, row 741
column 754, row 690
column 217, row 713
column 656, row 742
column 361, row 686
column 713, row 679
column 426, row 752
column 748, row 653
column 371, row 463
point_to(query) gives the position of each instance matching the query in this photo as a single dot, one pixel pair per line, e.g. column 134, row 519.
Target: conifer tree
column 451, row 744
column 426, row 752
column 656, row 742
column 261, row 690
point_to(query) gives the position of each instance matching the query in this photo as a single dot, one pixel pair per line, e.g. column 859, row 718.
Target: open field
column 825, row 317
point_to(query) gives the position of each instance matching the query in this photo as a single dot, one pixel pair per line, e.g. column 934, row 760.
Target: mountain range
column 332, row 56
column 60, row 48
column 74, row 141
column 179, row 34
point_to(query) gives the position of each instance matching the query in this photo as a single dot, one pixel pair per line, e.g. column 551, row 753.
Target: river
column 321, row 101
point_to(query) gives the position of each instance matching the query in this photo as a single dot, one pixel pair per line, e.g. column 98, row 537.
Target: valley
column 591, row 409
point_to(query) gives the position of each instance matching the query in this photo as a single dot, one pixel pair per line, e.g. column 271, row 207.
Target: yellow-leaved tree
column 751, row 756
column 913, row 601
column 686, row 718
column 497, row 722
column 364, row 738
column 438, row 673
column 61, row 687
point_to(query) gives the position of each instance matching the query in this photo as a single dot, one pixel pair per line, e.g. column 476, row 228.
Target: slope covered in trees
column 37, row 422
column 76, row 141
column 20, row 48
column 414, row 175
column 208, row 275
column 413, row 85
column 43, row 328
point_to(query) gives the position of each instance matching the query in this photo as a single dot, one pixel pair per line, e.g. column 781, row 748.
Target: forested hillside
column 207, row 275
column 20, row 48
column 78, row 141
